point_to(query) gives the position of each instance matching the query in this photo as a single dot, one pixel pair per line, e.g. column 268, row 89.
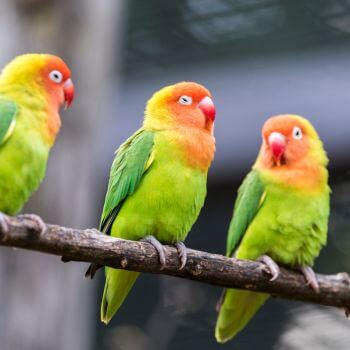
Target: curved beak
column 68, row 89
column 206, row 105
column 277, row 144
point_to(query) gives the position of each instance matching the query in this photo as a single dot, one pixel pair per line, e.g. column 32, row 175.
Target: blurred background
column 259, row 58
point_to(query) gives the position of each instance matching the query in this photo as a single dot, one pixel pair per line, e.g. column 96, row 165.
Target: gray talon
column 34, row 222
column 273, row 268
column 158, row 247
column 182, row 251
column 310, row 277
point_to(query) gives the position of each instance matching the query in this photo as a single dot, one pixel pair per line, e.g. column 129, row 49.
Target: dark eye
column 297, row 133
column 185, row 100
column 56, row 76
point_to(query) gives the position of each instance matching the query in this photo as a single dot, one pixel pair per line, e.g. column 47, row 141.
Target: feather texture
column 158, row 181
column 249, row 200
column 281, row 211
column 132, row 159
column 29, row 123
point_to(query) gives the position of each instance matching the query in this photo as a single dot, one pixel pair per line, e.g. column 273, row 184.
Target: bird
column 280, row 215
column 158, row 181
column 32, row 89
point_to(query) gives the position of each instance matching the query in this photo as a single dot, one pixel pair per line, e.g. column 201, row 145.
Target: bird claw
column 91, row 271
column 4, row 226
column 34, row 222
column 272, row 268
column 158, row 247
column 311, row 279
column 182, row 251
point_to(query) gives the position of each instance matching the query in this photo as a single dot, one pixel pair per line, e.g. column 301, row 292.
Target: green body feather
column 287, row 224
column 152, row 191
column 23, row 151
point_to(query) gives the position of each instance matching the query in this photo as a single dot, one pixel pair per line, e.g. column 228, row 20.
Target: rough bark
column 92, row 246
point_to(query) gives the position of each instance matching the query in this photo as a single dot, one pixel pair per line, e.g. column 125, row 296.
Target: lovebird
column 158, row 181
column 280, row 215
column 32, row 89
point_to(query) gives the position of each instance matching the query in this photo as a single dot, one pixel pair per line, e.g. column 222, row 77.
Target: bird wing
column 8, row 111
column 251, row 195
column 133, row 158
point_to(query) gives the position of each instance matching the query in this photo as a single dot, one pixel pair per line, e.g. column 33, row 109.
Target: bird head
column 47, row 72
column 289, row 139
column 185, row 104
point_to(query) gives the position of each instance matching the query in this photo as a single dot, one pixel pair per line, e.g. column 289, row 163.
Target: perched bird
column 158, row 180
column 280, row 215
column 32, row 89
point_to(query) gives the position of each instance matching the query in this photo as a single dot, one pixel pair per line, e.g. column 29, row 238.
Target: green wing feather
column 132, row 159
column 8, row 111
column 250, row 197
column 237, row 307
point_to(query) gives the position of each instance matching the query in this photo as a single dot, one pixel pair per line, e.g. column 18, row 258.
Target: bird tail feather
column 117, row 287
column 236, row 310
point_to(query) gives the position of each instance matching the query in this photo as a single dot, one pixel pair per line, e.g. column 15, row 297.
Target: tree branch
column 92, row 246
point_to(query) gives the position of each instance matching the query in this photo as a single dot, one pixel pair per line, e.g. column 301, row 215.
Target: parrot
column 280, row 215
column 158, row 181
column 32, row 89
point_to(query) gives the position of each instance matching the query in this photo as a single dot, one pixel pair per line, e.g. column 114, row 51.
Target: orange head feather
column 42, row 77
column 56, row 77
column 46, row 73
column 185, row 104
column 187, row 112
column 292, row 152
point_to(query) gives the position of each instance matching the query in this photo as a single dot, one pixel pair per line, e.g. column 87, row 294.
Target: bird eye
column 185, row 100
column 297, row 133
column 56, row 76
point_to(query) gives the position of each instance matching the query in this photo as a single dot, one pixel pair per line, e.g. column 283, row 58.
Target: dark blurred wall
column 259, row 58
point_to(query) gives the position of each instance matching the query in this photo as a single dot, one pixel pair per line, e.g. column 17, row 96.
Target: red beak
column 68, row 89
column 277, row 143
column 206, row 105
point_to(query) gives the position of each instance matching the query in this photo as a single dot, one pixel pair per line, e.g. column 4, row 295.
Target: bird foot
column 272, row 268
column 182, row 251
column 158, row 247
column 4, row 226
column 311, row 279
column 34, row 222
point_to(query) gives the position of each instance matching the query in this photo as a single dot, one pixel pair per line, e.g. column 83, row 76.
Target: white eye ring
column 297, row 133
column 185, row 100
column 56, row 76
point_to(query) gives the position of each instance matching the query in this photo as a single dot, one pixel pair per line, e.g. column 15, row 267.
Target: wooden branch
column 92, row 246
